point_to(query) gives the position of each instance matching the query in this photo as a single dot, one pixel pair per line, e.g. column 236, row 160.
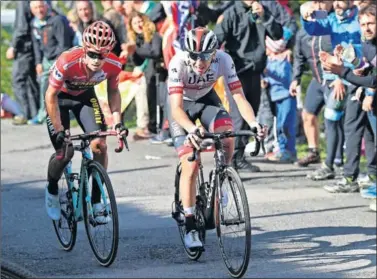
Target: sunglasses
column 200, row 56
column 95, row 55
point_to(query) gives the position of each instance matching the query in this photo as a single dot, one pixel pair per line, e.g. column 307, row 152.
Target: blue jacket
column 278, row 75
column 343, row 32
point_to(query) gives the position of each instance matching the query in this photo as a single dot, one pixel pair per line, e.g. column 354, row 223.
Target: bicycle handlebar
column 229, row 134
column 99, row 134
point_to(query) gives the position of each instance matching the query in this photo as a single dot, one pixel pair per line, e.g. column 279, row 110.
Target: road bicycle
column 76, row 205
column 214, row 200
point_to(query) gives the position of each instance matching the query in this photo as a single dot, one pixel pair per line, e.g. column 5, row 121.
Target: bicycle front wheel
column 66, row 226
column 103, row 235
column 232, row 218
column 179, row 216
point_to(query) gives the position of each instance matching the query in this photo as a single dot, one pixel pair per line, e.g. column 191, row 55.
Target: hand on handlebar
column 122, row 133
column 193, row 138
column 261, row 130
column 62, row 137
column 121, row 130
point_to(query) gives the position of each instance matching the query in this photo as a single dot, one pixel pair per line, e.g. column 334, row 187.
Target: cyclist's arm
column 175, row 89
column 235, row 87
column 244, row 106
column 52, row 108
column 55, row 81
column 178, row 114
column 114, row 98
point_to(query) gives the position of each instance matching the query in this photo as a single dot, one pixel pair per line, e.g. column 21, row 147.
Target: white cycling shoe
column 99, row 217
column 52, row 205
column 192, row 240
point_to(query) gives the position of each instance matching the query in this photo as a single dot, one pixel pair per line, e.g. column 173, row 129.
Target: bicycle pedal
column 177, row 217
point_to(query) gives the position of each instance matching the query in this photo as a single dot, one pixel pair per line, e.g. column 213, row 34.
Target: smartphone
column 320, row 14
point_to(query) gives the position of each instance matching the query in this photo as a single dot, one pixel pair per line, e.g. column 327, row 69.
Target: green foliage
column 6, row 65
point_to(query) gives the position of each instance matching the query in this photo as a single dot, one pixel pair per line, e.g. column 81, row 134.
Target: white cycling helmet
column 200, row 42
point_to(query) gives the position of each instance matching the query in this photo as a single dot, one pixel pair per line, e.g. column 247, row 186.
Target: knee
column 228, row 143
column 309, row 118
column 99, row 147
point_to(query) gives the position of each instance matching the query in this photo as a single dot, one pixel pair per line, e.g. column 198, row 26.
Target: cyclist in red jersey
column 71, row 87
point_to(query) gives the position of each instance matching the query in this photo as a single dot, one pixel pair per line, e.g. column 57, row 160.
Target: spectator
column 277, row 77
column 307, row 50
column 24, row 79
column 244, row 28
column 360, row 4
column 148, row 46
column 116, row 20
column 10, row 106
column 343, row 28
column 118, row 6
column 74, row 24
column 283, row 15
column 367, row 18
column 51, row 36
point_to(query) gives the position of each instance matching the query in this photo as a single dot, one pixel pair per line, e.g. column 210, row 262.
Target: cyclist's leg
column 216, row 119
column 90, row 118
column 56, row 166
column 189, row 172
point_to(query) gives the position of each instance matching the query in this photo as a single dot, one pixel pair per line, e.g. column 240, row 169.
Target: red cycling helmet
column 99, row 37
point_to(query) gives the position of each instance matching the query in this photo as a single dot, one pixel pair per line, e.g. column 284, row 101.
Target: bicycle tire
column 191, row 254
column 12, row 271
column 238, row 185
column 104, row 261
column 69, row 212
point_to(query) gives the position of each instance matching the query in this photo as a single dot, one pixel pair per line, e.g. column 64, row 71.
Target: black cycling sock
column 96, row 192
column 190, row 223
column 53, row 188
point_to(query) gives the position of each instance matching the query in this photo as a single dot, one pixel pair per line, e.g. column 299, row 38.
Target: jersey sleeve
column 229, row 72
column 175, row 83
column 57, row 73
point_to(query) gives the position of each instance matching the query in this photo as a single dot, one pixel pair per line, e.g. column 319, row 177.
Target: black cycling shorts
column 86, row 109
column 208, row 109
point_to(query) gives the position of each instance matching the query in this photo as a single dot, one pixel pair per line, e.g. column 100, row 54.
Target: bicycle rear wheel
column 179, row 217
column 232, row 219
column 104, row 237
column 66, row 226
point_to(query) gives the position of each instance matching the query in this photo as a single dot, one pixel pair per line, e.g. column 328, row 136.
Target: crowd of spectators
column 336, row 40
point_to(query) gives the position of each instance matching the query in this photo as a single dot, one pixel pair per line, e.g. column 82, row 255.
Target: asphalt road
column 299, row 230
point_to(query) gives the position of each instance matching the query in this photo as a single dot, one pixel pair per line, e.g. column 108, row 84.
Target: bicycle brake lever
column 263, row 148
column 125, row 142
column 193, row 157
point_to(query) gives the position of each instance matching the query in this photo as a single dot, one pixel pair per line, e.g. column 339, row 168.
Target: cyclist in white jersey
column 192, row 75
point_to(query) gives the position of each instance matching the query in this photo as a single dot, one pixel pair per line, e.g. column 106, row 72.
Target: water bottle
column 334, row 109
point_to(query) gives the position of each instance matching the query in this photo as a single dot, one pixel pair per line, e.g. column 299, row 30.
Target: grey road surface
column 299, row 230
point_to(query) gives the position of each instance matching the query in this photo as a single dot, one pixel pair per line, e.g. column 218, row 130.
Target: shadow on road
column 318, row 260
column 149, row 239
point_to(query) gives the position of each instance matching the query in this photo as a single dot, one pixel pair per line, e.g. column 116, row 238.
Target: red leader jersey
column 70, row 75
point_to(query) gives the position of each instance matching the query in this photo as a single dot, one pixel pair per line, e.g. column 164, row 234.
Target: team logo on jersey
column 57, row 74
column 209, row 77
